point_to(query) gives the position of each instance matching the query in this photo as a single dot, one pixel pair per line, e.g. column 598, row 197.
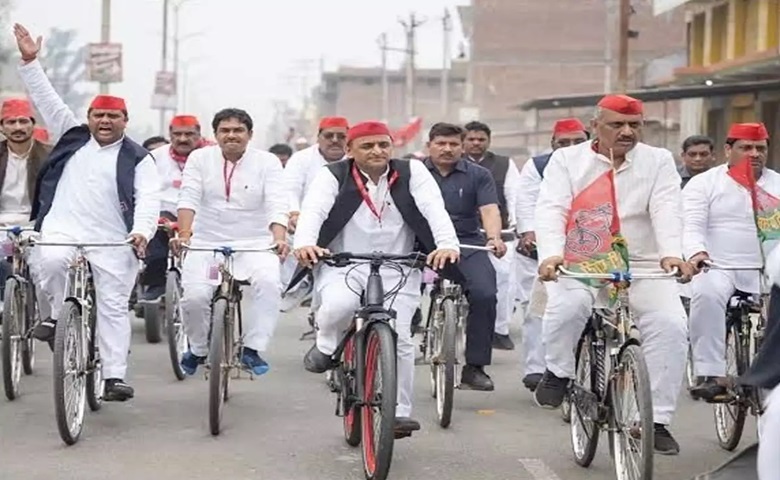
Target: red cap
column 568, row 125
column 41, row 134
column 748, row 131
column 333, row 122
column 15, row 108
column 185, row 121
column 108, row 102
column 366, row 129
column 622, row 104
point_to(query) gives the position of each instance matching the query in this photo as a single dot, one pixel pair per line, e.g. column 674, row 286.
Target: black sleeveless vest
column 498, row 166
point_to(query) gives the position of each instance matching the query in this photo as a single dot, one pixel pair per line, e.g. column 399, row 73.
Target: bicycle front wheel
column 730, row 416
column 70, row 365
column 348, row 372
column 444, row 362
column 95, row 382
column 13, row 325
column 217, row 377
column 584, row 401
column 379, row 395
column 177, row 339
column 30, row 317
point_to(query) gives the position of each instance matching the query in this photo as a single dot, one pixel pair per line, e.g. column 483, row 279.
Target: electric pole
column 446, row 55
column 625, row 33
column 609, row 39
column 410, row 26
column 385, row 82
column 105, row 34
column 164, row 60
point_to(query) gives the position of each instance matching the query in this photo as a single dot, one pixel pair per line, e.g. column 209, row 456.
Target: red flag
column 766, row 207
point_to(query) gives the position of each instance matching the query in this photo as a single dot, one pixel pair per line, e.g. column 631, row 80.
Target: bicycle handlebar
column 715, row 266
column 483, row 248
column 126, row 243
column 345, row 258
column 16, row 229
column 619, row 276
column 227, row 251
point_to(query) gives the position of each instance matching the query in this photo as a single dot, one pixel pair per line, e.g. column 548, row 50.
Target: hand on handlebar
column 282, row 248
column 139, row 244
column 699, row 261
column 685, row 271
column 177, row 243
column 499, row 247
column 438, row 259
column 548, row 270
column 310, row 256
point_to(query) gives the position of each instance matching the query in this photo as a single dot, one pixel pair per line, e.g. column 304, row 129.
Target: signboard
column 663, row 6
column 164, row 97
column 104, row 62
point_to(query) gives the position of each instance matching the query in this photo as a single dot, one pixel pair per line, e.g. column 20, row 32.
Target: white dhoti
column 505, row 284
column 533, row 346
column 711, row 292
column 114, row 272
column 659, row 315
column 339, row 303
column 261, row 299
column 769, row 438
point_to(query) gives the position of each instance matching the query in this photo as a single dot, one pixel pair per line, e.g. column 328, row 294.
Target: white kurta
column 15, row 205
column 769, row 437
column 365, row 233
column 649, row 204
column 170, row 177
column 86, row 208
column 719, row 221
column 243, row 219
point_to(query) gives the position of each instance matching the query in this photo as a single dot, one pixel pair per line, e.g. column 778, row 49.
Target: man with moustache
column 697, row 157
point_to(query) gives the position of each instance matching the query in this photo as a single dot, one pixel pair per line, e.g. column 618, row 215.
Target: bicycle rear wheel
column 583, row 401
column 95, row 382
column 378, row 413
column 348, row 372
column 153, row 326
column 631, row 417
column 30, row 318
column 177, row 339
column 217, row 377
column 13, row 331
column 70, row 362
column 730, row 416
column 444, row 355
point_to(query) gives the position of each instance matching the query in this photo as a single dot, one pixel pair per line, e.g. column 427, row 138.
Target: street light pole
column 164, row 60
column 411, row 52
column 385, row 81
column 445, row 80
column 625, row 13
column 105, row 35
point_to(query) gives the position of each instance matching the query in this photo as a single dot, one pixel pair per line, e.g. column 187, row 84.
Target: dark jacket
column 38, row 156
column 498, row 166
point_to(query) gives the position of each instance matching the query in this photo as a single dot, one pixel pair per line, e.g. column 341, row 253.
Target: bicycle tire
column 153, row 327
column 30, row 317
column 95, row 383
column 12, row 339
column 730, row 436
column 633, row 361
column 216, row 356
column 70, row 319
column 586, row 364
column 445, row 376
column 348, row 372
column 174, row 325
column 430, row 339
column 378, row 442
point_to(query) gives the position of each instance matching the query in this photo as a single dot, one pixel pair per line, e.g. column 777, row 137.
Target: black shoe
column 531, row 381
column 117, row 390
column 475, row 378
column 502, row 342
column 664, row 443
column 316, row 361
column 417, row 322
column 153, row 294
column 404, row 426
column 710, row 389
column 551, row 390
column 44, row 331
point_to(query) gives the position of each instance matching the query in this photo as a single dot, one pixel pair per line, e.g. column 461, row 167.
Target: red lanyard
column 364, row 191
column 228, row 177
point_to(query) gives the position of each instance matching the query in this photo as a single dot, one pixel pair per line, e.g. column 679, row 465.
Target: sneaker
column 153, row 294
column 710, row 389
column 551, row 390
column 254, row 362
column 190, row 362
column 474, row 378
column 664, row 442
column 44, row 331
column 316, row 361
column 404, row 426
column 117, row 390
column 502, row 342
column 531, row 381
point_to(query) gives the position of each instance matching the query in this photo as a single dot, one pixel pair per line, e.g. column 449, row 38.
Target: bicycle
column 173, row 316
column 608, row 355
column 743, row 341
column 19, row 314
column 365, row 360
column 153, row 313
column 226, row 341
column 76, row 351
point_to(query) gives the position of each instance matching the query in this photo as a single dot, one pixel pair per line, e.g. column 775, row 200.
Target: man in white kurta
column 232, row 196
column 566, row 132
column 719, row 226
column 649, row 206
column 477, row 149
column 86, row 205
column 365, row 233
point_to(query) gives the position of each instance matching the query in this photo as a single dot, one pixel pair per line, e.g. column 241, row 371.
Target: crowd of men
column 347, row 192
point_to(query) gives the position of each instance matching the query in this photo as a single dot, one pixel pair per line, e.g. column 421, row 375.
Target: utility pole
column 608, row 44
column 176, row 42
column 164, row 60
column 625, row 14
column 446, row 56
column 410, row 26
column 105, row 34
column 385, row 81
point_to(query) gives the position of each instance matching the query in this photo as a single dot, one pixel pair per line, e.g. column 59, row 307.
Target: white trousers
column 525, row 273
column 659, row 315
column 533, row 346
column 769, row 438
column 710, row 293
column 114, row 272
column 261, row 299
column 339, row 303
column 505, row 284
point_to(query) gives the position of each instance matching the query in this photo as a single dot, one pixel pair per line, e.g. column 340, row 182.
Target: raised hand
column 28, row 47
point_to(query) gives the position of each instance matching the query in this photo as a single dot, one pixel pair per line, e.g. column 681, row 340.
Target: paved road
column 282, row 427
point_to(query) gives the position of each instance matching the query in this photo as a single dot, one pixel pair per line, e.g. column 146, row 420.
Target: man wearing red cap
column 393, row 203
column 98, row 186
column 720, row 226
column 566, row 132
column 647, row 214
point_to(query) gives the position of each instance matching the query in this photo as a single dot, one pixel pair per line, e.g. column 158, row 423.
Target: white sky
column 243, row 53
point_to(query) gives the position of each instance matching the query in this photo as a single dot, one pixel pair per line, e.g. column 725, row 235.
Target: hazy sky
column 243, row 53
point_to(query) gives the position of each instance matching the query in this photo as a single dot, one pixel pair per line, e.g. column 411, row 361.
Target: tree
column 65, row 66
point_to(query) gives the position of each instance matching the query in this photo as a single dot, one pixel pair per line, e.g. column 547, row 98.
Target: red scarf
column 181, row 160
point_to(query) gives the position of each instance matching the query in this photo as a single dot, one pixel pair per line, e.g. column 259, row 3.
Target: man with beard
column 507, row 177
column 98, row 186
column 184, row 131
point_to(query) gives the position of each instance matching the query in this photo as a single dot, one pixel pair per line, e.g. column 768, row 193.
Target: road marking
column 538, row 469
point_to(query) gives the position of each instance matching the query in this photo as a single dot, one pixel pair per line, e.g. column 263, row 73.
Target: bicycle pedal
column 400, row 435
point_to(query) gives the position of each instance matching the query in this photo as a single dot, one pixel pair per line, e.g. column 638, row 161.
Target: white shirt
column 86, row 204
column 647, row 187
column 719, row 217
column 528, row 186
column 299, row 173
column 511, row 181
column 170, row 176
column 256, row 198
column 364, row 232
column 15, row 205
